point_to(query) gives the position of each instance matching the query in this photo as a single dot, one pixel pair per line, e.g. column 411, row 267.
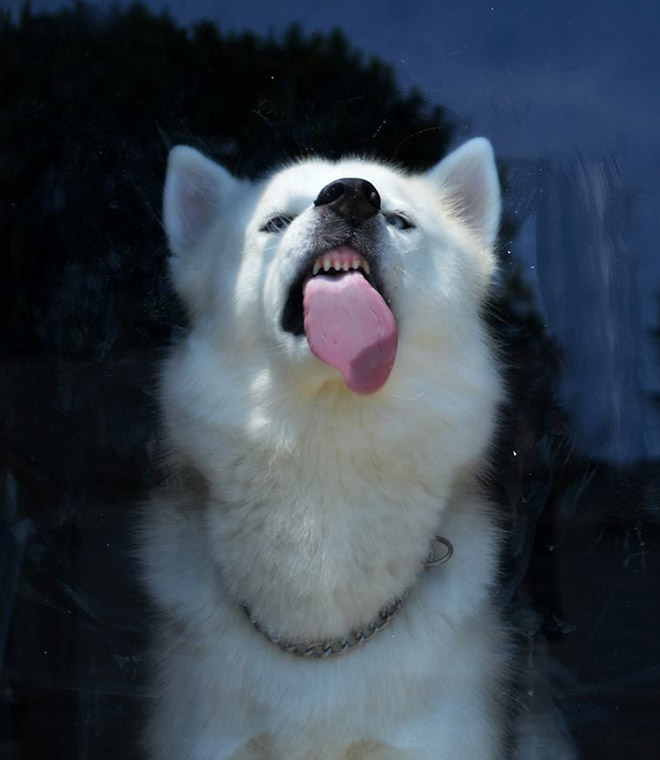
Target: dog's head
column 334, row 271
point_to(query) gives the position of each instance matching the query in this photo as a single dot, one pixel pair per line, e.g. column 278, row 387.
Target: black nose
column 354, row 199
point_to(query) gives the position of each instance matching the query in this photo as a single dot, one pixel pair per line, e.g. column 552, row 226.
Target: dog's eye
column 399, row 221
column 277, row 223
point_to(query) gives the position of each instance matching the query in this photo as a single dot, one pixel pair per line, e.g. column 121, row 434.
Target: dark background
column 90, row 102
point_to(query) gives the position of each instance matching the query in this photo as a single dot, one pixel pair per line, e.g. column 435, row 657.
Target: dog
column 321, row 558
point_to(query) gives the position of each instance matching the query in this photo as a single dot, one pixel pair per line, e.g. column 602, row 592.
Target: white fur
column 315, row 505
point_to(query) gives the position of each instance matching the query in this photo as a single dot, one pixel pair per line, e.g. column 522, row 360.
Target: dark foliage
column 89, row 106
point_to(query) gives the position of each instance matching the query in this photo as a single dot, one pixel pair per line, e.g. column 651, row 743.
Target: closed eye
column 398, row 221
column 277, row 223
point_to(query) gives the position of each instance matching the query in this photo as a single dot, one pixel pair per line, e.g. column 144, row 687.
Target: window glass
column 93, row 96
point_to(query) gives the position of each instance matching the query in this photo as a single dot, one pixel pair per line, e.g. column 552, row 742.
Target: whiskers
column 272, row 349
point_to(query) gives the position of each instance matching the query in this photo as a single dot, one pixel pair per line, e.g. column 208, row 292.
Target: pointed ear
column 467, row 179
column 195, row 187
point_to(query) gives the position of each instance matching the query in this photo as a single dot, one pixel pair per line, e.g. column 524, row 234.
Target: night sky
column 575, row 84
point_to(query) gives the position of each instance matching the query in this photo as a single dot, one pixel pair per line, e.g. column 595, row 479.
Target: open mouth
column 333, row 263
column 348, row 324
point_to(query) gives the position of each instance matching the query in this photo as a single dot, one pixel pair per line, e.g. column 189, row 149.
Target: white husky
column 327, row 416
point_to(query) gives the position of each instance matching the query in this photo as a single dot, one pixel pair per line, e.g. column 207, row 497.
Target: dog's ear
column 198, row 194
column 469, row 185
column 195, row 188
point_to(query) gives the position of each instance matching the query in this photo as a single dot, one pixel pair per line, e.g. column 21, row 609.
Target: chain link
column 325, row 649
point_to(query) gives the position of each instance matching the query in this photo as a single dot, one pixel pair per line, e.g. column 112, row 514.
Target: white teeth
column 327, row 263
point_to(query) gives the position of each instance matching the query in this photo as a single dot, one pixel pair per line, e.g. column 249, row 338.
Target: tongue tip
column 367, row 372
column 366, row 387
column 370, row 370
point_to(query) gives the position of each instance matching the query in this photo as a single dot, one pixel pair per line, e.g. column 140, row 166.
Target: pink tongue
column 349, row 326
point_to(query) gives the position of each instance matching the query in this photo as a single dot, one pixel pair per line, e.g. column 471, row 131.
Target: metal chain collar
column 324, row 649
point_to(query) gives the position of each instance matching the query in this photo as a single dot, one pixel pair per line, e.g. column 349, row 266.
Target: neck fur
column 322, row 507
